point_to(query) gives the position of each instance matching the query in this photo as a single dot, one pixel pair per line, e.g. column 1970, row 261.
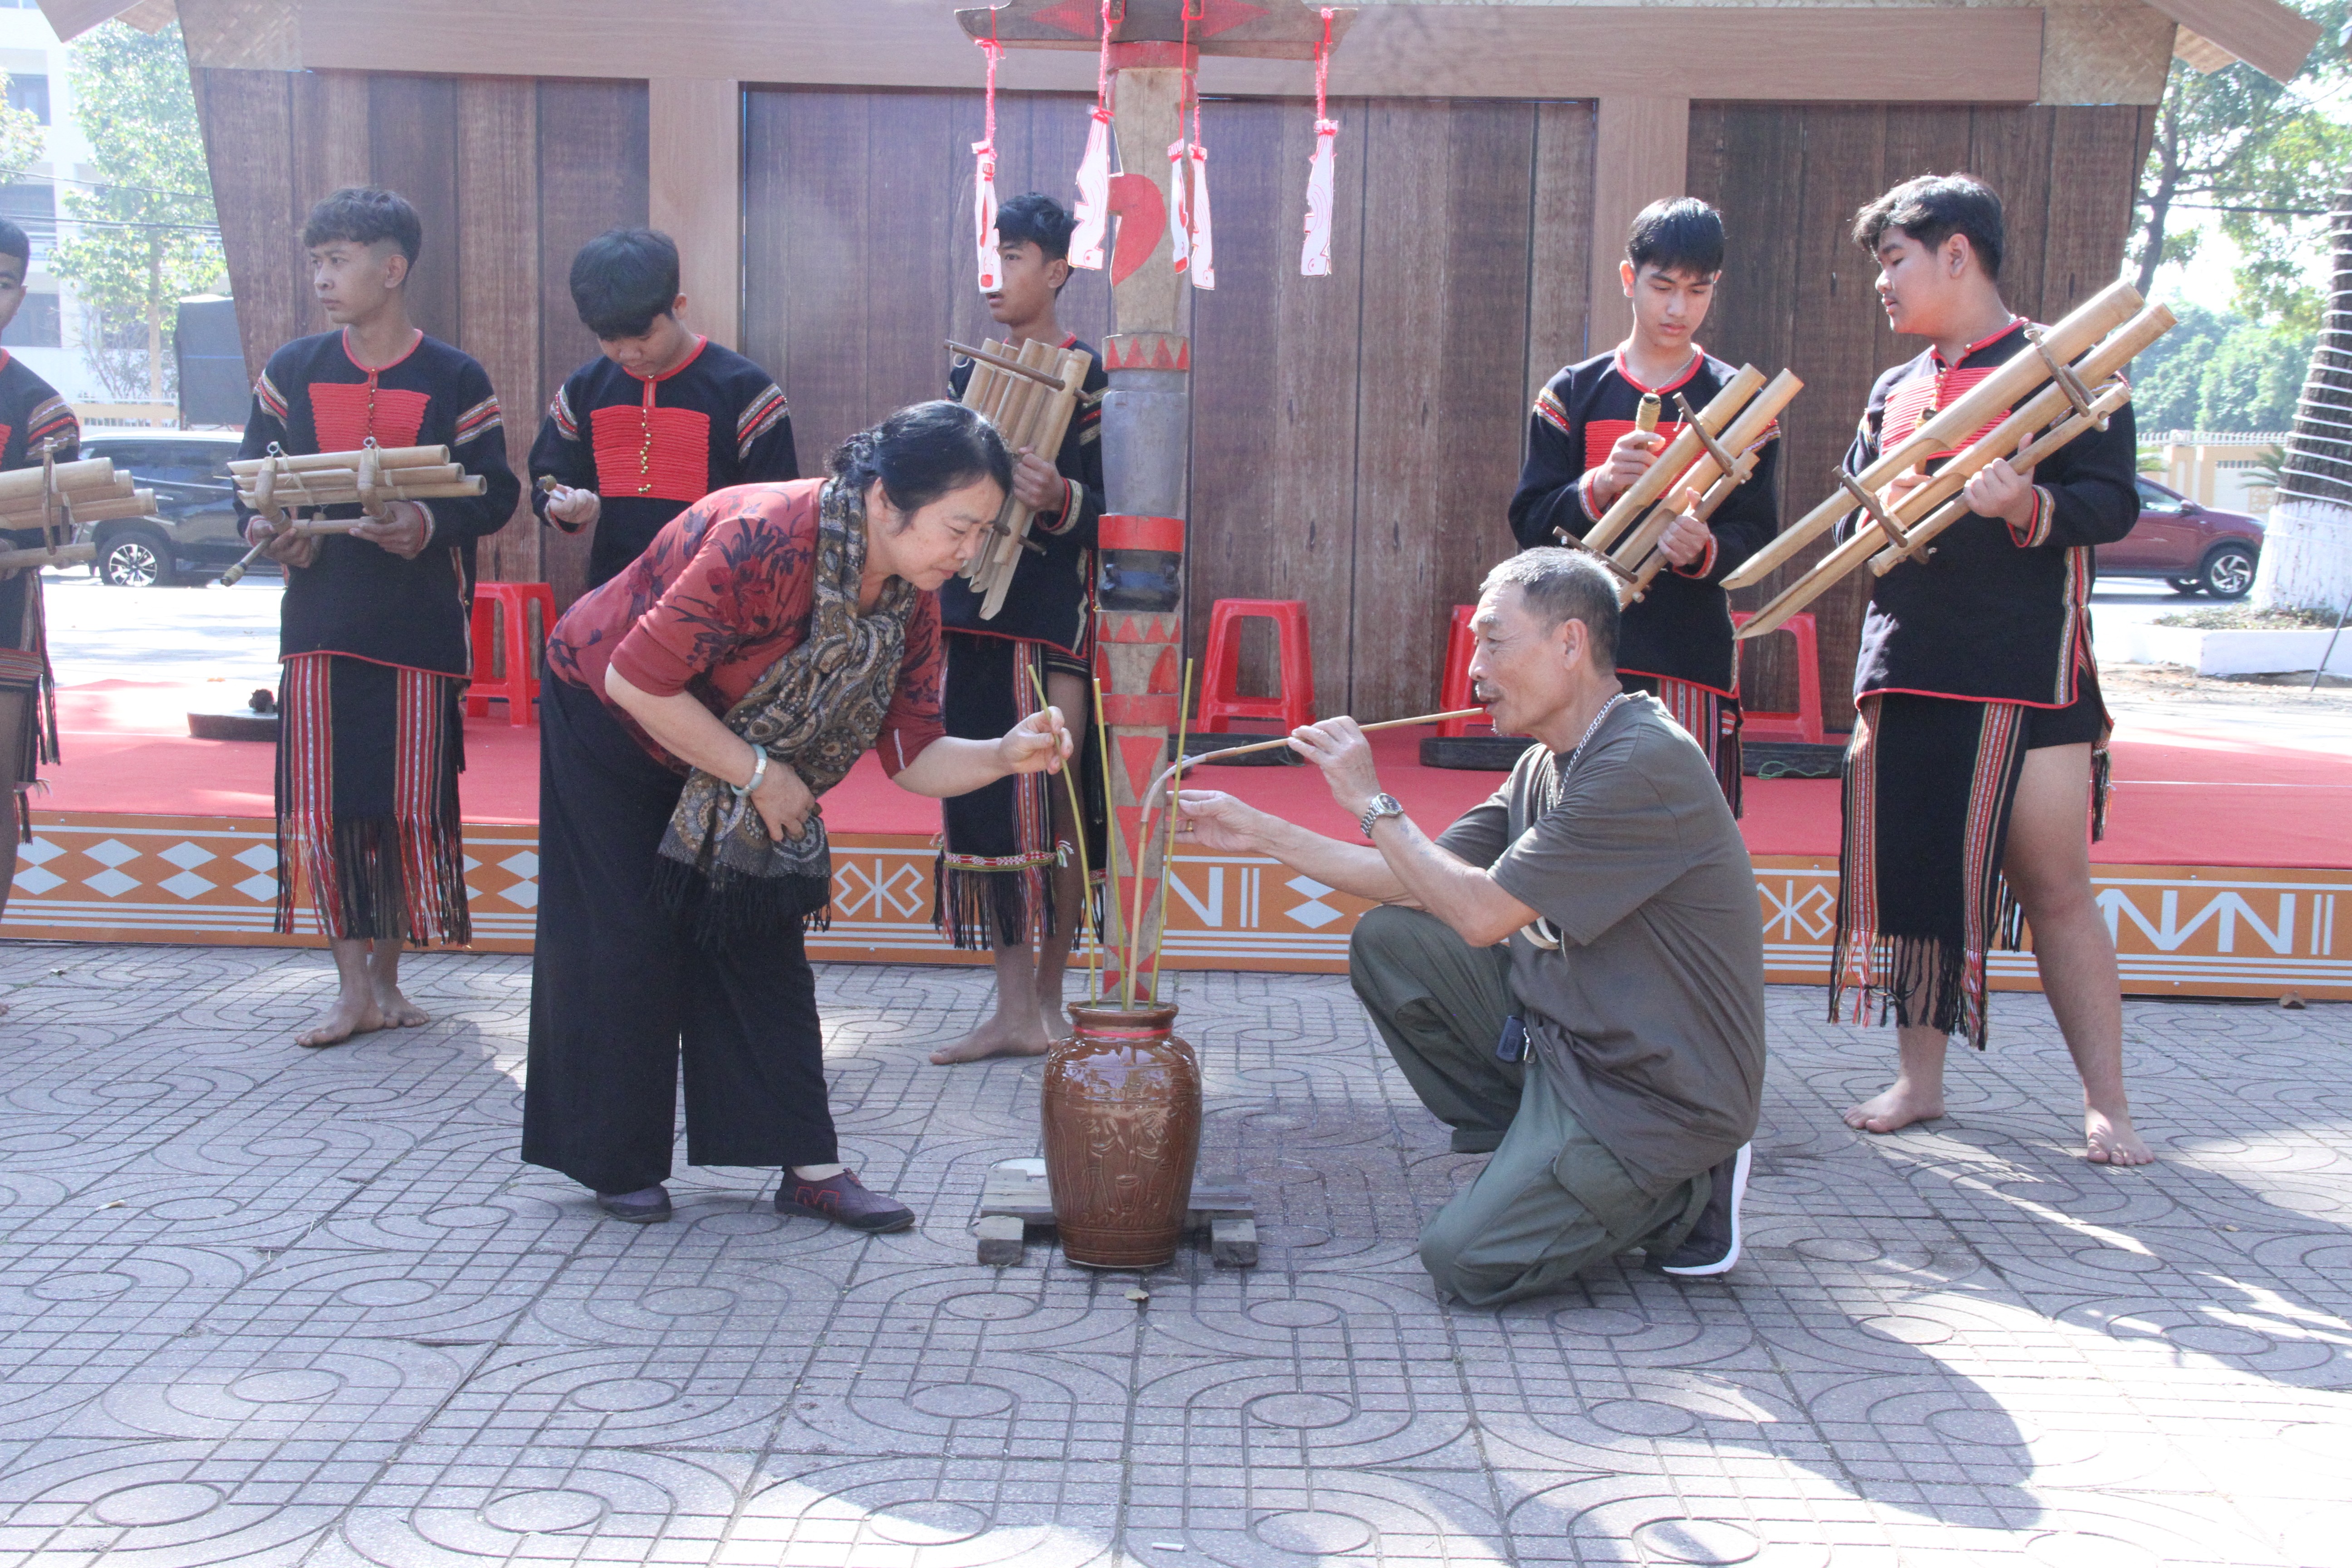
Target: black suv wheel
column 136, row 558
column 2228, row 571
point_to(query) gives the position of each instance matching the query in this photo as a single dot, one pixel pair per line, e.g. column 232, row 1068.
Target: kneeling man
column 1572, row 974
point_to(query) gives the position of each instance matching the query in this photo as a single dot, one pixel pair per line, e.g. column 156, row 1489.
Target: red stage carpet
column 2181, row 798
column 2221, row 875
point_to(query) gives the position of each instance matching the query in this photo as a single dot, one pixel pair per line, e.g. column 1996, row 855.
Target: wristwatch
column 1383, row 805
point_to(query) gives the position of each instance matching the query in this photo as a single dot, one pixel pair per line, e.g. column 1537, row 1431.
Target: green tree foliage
column 22, row 139
column 2262, row 155
column 148, row 233
column 2219, row 370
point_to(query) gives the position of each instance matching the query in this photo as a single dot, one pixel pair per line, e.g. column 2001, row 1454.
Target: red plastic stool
column 1805, row 723
column 1219, row 698
column 1455, row 690
column 519, row 687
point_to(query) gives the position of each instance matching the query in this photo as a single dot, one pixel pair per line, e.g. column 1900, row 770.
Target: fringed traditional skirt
column 1929, row 783
column 368, row 758
column 993, row 882
column 31, row 736
column 1712, row 719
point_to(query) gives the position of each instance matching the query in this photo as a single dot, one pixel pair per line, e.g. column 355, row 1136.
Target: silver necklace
column 1539, row 931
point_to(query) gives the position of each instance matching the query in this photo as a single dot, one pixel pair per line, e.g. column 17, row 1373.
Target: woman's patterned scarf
column 816, row 711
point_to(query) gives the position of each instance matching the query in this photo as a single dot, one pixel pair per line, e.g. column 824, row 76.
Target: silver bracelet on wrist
column 743, row 792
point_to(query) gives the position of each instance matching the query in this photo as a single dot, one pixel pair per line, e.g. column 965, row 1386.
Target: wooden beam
column 2264, row 34
column 694, row 130
column 71, row 18
column 1641, row 153
column 1943, row 53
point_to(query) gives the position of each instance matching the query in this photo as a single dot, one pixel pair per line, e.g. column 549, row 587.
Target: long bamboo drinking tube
column 1030, row 397
column 1078, row 832
column 1950, row 428
column 1934, row 506
column 1152, row 795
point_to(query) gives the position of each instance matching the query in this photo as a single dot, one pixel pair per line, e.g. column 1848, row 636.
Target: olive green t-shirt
column 1649, row 1017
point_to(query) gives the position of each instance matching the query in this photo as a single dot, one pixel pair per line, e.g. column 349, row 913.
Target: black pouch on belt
column 1513, row 1046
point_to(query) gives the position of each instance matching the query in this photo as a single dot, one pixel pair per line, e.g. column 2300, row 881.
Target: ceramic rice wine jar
column 1122, row 1113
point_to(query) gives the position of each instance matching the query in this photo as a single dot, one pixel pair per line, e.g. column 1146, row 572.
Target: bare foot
column 996, row 1037
column 399, row 1012
column 350, row 1016
column 1897, row 1108
column 2113, row 1141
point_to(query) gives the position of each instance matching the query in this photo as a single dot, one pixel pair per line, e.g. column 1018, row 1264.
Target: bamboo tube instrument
column 1742, row 442
column 1680, row 454
column 1030, row 398
column 1970, row 412
column 278, row 488
column 2081, row 397
column 57, row 498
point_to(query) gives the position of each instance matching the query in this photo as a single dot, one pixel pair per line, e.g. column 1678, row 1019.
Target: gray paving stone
column 261, row 1305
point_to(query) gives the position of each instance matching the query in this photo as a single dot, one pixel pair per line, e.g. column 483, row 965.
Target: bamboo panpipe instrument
column 63, row 555
column 1680, row 453
column 1004, row 363
column 1973, row 410
column 1922, row 503
column 1152, row 795
column 311, row 480
column 311, row 462
column 1744, row 439
column 1030, row 398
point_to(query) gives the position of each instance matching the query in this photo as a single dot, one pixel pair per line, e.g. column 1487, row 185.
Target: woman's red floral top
column 721, row 594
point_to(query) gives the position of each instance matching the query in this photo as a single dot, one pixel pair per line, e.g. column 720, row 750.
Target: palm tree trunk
column 2307, row 549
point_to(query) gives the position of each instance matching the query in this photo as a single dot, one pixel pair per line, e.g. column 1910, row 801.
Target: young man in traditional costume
column 662, row 417
column 1980, row 743
column 1008, row 880
column 1585, row 449
column 1601, row 909
column 33, row 417
column 372, row 623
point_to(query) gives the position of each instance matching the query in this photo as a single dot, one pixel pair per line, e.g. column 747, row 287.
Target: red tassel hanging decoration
column 1093, row 169
column 983, row 182
column 1315, row 258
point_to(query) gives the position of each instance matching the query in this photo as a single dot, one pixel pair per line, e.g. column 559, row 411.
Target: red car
column 2192, row 547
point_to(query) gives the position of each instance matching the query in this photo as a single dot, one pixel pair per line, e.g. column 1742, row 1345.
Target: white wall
column 26, row 44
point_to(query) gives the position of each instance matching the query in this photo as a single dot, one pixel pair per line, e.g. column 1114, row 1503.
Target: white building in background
column 46, row 333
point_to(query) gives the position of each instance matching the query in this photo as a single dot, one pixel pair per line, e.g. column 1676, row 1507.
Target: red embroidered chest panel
column 346, row 413
column 663, row 454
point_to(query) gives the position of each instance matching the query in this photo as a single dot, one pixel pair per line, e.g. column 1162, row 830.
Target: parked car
column 2192, row 547
column 195, row 536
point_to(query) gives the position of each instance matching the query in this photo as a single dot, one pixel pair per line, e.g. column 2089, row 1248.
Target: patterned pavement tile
column 259, row 1305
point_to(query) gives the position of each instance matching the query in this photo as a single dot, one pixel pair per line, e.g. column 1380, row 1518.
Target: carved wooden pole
column 1155, row 51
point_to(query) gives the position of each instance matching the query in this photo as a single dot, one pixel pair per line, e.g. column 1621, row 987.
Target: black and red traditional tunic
column 651, row 446
column 1676, row 640
column 1969, row 658
column 992, row 877
column 375, row 648
column 32, row 415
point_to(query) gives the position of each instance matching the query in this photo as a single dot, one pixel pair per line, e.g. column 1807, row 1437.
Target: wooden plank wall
column 509, row 175
column 1801, row 294
column 1355, row 438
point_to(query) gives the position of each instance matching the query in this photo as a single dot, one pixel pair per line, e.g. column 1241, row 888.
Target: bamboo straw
column 1168, row 856
column 1184, row 762
column 1086, row 875
column 1110, row 806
